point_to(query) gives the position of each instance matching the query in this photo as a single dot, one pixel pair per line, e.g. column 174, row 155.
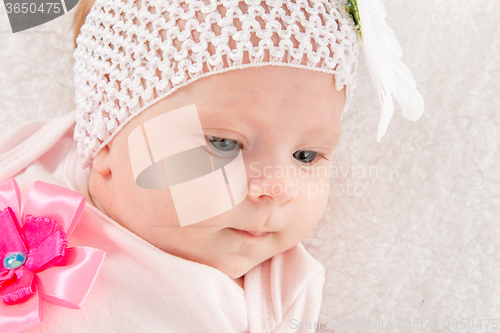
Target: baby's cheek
column 312, row 198
column 320, row 201
column 316, row 189
column 309, row 208
column 158, row 204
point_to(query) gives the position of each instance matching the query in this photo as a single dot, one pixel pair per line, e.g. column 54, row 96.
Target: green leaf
column 352, row 8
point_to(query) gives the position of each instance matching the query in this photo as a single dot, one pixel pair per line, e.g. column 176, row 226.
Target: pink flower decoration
column 38, row 240
column 35, row 264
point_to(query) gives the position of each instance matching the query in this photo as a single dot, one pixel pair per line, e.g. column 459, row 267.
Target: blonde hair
column 81, row 13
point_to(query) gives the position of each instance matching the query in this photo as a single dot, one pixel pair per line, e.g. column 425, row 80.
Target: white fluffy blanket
column 412, row 235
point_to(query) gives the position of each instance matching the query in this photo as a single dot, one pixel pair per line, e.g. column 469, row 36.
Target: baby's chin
column 235, row 267
column 239, row 267
column 237, row 273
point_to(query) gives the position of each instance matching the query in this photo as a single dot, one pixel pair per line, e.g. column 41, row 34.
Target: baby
column 204, row 135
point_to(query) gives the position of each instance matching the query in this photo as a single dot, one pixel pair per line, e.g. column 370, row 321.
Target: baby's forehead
column 258, row 91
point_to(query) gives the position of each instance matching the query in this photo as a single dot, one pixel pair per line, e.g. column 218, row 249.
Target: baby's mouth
column 251, row 234
column 256, row 234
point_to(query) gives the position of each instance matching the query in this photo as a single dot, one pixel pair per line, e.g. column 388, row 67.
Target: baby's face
column 287, row 123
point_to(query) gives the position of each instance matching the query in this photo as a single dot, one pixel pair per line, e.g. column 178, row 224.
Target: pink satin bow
column 50, row 272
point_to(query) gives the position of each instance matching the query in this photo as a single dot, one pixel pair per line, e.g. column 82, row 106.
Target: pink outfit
column 143, row 289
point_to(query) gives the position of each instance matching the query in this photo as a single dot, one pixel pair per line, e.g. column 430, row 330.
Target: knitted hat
column 132, row 54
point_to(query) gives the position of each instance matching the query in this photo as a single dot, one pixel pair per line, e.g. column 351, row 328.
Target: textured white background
column 422, row 243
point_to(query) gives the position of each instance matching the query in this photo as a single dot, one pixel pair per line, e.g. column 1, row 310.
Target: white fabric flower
column 390, row 76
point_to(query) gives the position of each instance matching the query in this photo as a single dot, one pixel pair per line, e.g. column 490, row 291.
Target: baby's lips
column 254, row 234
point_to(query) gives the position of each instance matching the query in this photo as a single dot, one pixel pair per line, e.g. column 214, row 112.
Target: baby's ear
column 101, row 163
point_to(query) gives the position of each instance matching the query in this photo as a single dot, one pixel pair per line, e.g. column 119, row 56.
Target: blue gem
column 14, row 260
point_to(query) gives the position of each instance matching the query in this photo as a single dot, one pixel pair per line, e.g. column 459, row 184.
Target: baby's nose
column 270, row 181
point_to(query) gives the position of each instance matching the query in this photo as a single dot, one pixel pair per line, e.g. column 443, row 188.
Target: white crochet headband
column 132, row 54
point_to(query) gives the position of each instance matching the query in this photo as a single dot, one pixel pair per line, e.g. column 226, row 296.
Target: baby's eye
column 225, row 146
column 307, row 156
